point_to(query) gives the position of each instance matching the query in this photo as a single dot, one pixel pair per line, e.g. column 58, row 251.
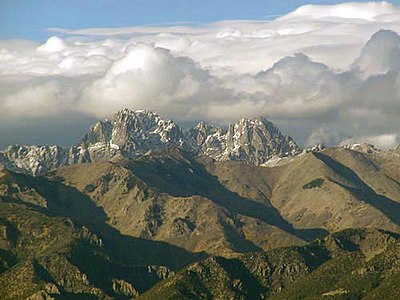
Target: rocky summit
column 132, row 134
column 253, row 141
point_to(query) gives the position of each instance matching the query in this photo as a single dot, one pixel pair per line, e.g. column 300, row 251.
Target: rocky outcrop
column 35, row 159
column 130, row 134
column 253, row 141
column 134, row 133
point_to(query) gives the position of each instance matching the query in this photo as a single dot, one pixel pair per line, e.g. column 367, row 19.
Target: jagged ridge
column 134, row 133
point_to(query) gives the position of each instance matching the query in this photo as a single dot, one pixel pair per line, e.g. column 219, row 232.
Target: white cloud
column 330, row 34
column 145, row 77
column 353, row 10
column 306, row 70
column 383, row 141
column 380, row 55
column 53, row 44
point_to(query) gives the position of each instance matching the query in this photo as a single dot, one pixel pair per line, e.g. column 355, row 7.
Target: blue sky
column 29, row 19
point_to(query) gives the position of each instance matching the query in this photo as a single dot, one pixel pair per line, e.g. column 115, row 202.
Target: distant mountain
column 253, row 141
column 132, row 134
column 35, row 160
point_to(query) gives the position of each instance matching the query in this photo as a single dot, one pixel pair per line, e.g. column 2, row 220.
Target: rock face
column 363, row 148
column 134, row 133
column 130, row 134
column 253, row 141
column 35, row 159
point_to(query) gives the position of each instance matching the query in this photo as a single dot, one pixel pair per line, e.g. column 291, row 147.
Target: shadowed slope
column 387, row 206
column 349, row 265
column 182, row 176
column 43, row 249
column 177, row 214
column 67, row 201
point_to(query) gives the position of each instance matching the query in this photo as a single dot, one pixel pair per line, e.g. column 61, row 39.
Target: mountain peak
column 130, row 112
column 132, row 134
column 252, row 140
column 258, row 121
column 35, row 159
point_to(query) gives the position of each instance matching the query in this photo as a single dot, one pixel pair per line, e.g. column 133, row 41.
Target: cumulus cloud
column 380, row 55
column 362, row 11
column 323, row 73
column 330, row 34
column 383, row 141
column 145, row 76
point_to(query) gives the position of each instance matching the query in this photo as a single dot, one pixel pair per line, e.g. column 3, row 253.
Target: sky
column 29, row 19
column 323, row 72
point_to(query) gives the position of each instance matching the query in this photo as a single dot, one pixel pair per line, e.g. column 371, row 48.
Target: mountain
column 58, row 241
column 228, row 207
column 132, row 134
column 116, row 229
column 352, row 264
column 172, row 197
column 129, row 134
column 55, row 243
column 34, row 159
column 140, row 208
column 334, row 189
column 253, row 141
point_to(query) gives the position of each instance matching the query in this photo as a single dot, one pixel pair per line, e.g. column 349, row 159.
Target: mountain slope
column 320, row 190
column 170, row 196
column 351, row 264
column 137, row 200
column 227, row 208
column 48, row 246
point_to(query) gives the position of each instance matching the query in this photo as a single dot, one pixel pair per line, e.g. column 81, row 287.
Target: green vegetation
column 314, row 183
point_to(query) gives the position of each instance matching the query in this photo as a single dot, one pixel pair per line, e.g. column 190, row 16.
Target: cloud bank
column 323, row 73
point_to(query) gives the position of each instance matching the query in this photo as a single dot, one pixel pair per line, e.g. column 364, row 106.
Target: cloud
column 330, row 34
column 146, row 76
column 323, row 73
column 353, row 10
column 383, row 141
column 380, row 55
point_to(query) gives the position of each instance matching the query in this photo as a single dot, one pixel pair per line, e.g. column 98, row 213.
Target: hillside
column 174, row 197
column 171, row 197
column 48, row 246
column 118, row 227
column 352, row 264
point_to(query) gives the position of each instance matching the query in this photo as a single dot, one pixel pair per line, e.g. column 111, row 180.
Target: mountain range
column 134, row 133
column 141, row 208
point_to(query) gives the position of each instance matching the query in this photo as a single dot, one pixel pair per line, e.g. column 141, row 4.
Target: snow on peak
column 134, row 133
